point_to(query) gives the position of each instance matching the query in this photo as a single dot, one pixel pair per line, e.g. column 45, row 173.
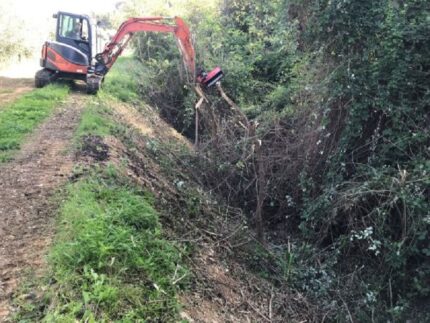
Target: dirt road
column 12, row 88
column 17, row 79
column 26, row 186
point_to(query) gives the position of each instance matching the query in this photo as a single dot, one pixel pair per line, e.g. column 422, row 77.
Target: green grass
column 110, row 261
column 21, row 117
column 94, row 121
column 123, row 79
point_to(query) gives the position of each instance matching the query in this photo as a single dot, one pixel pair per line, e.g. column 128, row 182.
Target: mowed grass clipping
column 109, row 259
column 21, row 117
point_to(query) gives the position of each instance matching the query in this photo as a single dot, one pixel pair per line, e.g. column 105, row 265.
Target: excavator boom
column 174, row 25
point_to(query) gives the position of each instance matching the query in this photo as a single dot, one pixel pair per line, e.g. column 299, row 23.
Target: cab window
column 73, row 27
column 66, row 25
column 84, row 34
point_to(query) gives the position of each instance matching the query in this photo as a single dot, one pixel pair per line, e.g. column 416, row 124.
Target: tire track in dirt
column 26, row 184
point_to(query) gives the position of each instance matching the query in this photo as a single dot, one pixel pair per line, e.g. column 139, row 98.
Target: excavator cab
column 74, row 30
column 70, row 55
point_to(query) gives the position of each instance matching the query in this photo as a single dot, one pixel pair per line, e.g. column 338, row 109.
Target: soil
column 12, row 88
column 94, row 147
column 27, row 184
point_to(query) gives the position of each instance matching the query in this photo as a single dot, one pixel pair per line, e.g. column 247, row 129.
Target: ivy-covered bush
column 372, row 201
column 340, row 90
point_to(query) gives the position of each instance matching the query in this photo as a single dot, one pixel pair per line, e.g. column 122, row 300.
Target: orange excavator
column 74, row 54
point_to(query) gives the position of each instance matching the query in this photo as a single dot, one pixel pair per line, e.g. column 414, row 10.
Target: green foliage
column 357, row 71
column 21, row 117
column 110, row 260
column 359, row 68
column 372, row 200
column 164, row 84
column 247, row 55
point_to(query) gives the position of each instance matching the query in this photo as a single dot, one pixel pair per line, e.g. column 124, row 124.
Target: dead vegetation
column 227, row 283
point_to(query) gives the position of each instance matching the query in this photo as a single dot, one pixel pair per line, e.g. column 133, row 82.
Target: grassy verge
column 109, row 260
column 94, row 122
column 122, row 81
column 22, row 116
column 120, row 84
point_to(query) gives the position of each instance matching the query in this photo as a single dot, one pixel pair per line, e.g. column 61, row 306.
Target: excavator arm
column 175, row 26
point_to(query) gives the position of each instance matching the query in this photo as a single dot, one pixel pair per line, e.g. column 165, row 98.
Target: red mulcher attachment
column 209, row 79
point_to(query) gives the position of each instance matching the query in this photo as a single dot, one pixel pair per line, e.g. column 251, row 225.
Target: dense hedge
column 340, row 89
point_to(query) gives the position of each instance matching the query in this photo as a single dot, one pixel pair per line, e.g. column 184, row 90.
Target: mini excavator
column 74, row 54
